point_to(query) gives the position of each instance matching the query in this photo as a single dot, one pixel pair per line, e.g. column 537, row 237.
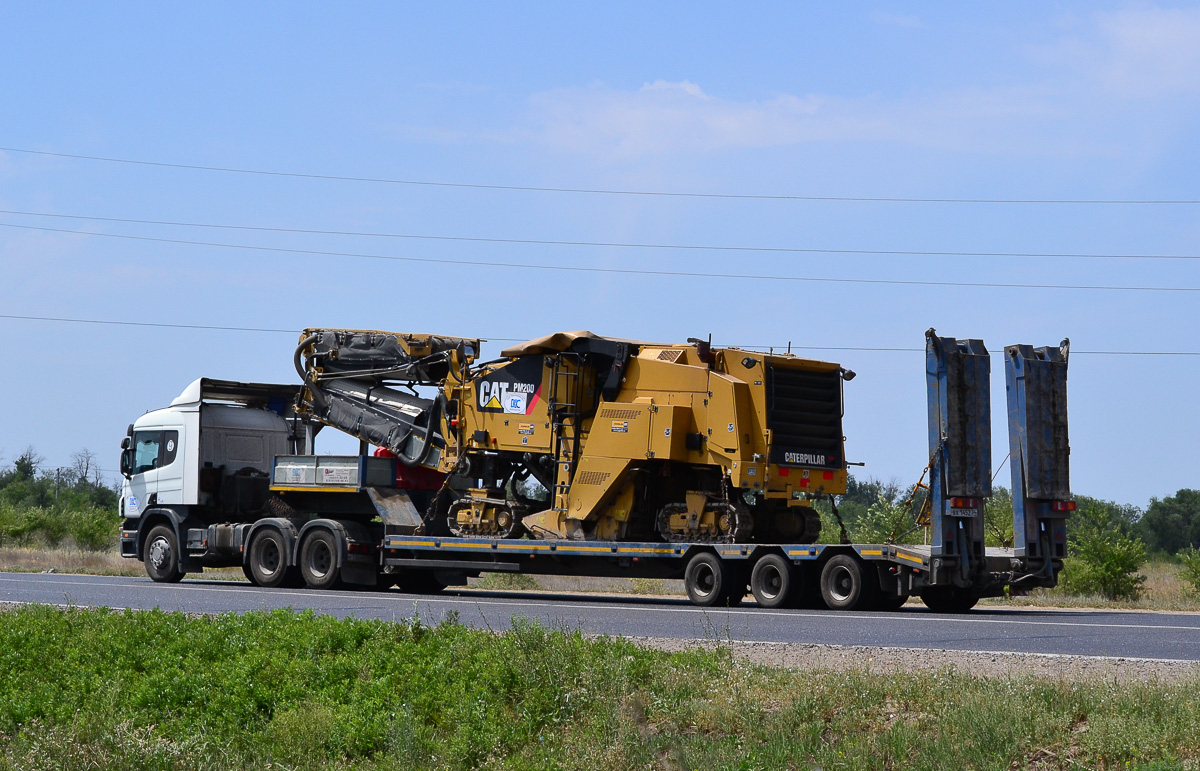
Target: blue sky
column 915, row 100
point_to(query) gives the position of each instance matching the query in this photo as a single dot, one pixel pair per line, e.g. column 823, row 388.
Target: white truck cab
column 212, row 445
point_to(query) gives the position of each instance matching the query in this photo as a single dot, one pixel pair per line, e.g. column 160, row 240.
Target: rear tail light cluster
column 1062, row 506
column 964, row 503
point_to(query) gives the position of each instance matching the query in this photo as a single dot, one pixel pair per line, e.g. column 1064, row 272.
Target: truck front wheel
column 267, row 564
column 318, row 560
column 162, row 555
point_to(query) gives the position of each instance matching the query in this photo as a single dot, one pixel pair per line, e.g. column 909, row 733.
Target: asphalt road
column 1082, row 633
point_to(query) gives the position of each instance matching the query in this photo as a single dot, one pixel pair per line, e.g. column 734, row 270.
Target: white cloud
column 1069, row 100
column 1151, row 51
column 662, row 118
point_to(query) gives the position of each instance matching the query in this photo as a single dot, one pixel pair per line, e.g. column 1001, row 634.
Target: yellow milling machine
column 582, row 437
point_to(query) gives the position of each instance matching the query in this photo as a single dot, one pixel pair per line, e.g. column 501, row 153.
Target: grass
column 104, row 690
column 71, row 559
column 1165, row 589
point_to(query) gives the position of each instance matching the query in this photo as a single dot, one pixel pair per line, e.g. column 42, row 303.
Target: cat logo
column 509, row 398
column 620, row 426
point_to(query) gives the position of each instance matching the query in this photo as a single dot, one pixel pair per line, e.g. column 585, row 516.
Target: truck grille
column 804, row 414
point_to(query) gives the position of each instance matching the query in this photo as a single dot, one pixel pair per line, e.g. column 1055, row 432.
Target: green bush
column 1190, row 559
column 94, row 529
column 884, row 520
column 91, row 528
column 1173, row 523
column 998, row 518
column 1104, row 556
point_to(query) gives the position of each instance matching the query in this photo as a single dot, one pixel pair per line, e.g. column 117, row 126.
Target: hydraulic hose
column 298, row 358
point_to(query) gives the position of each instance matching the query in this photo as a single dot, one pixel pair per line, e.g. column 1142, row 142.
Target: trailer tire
column 775, row 581
column 162, row 555
column 708, row 580
column 948, row 599
column 846, row 585
column 319, row 558
column 267, row 560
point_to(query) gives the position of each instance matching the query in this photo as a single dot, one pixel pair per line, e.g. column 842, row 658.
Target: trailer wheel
column 318, row 560
column 775, row 582
column 708, row 580
column 948, row 599
column 845, row 584
column 162, row 555
column 267, row 562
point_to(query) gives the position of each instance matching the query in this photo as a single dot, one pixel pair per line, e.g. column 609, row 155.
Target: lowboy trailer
column 227, row 476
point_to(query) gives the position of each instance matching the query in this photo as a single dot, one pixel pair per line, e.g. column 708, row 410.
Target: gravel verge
column 990, row 664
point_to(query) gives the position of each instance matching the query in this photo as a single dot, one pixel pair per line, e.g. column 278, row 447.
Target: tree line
column 43, row 506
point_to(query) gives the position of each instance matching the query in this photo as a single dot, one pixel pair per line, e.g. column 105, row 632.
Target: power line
column 617, row 271
column 859, row 349
column 145, row 324
column 607, row 244
column 604, row 191
column 208, row 327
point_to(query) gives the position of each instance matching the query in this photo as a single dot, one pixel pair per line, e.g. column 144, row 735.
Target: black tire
column 318, row 560
column 267, row 560
column 775, row 582
column 708, row 580
column 846, row 584
column 948, row 599
column 161, row 555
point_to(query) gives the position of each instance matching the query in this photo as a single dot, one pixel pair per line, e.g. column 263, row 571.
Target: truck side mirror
column 126, row 460
column 125, row 443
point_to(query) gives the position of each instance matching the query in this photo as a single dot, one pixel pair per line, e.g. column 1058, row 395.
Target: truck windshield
column 145, row 457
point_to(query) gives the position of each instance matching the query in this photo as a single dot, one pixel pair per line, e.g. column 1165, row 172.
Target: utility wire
column 209, row 327
column 606, row 191
column 618, row 271
column 607, row 244
column 866, row 349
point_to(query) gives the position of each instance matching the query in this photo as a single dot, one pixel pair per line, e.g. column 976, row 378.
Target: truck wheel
column 318, row 560
column 775, row 582
column 845, row 584
column 708, row 580
column 162, row 555
column 948, row 599
column 267, row 563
